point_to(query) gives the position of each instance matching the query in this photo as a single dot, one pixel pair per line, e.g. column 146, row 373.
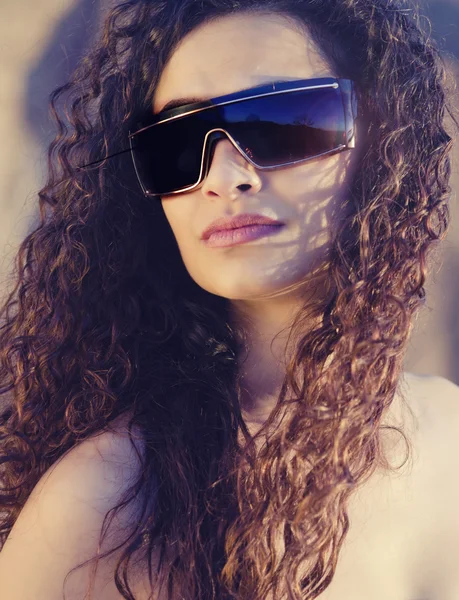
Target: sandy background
column 40, row 43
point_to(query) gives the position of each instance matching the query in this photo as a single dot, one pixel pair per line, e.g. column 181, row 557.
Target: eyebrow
column 179, row 102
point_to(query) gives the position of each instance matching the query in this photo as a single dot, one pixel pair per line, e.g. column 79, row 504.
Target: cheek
column 322, row 177
column 326, row 173
column 314, row 189
column 173, row 209
column 179, row 214
column 317, row 193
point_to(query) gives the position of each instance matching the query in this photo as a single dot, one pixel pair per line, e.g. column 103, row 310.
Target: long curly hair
column 103, row 319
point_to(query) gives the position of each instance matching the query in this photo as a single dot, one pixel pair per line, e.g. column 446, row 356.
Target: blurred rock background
column 40, row 44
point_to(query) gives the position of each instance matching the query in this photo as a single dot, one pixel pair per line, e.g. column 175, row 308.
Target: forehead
column 237, row 52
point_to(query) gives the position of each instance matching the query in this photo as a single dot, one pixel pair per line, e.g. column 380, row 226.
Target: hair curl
column 104, row 319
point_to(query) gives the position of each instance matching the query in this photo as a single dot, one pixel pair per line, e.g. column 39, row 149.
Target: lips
column 244, row 220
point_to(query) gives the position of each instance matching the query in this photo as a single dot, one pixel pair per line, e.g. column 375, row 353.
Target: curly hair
column 103, row 319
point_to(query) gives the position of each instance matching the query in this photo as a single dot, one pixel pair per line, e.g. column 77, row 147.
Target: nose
column 232, row 173
column 232, row 148
column 212, row 140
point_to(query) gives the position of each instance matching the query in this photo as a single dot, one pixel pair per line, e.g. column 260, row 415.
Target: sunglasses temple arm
column 105, row 158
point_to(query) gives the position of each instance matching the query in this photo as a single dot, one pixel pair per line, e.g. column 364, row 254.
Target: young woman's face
column 227, row 55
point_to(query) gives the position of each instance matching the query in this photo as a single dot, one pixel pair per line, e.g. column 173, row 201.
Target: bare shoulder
column 60, row 524
column 434, row 399
column 430, row 408
column 118, row 445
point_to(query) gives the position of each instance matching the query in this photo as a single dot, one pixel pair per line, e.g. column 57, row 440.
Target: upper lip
column 243, row 220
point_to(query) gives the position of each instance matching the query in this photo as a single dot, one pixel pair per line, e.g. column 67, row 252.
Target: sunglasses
column 271, row 126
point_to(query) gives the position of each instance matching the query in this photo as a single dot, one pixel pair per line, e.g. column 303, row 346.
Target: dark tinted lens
column 276, row 130
column 272, row 130
column 168, row 157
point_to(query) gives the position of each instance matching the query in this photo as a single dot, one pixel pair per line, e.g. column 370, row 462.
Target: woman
column 231, row 395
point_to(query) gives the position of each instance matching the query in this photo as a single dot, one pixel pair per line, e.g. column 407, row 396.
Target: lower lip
column 241, row 235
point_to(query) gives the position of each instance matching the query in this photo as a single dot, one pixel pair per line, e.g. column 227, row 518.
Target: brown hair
column 104, row 319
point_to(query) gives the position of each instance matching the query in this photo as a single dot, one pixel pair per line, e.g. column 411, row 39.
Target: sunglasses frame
column 349, row 107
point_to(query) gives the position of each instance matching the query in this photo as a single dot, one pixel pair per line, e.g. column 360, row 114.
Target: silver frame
column 350, row 138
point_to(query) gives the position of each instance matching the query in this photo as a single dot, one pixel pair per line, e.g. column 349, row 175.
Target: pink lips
column 244, row 220
column 241, row 235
